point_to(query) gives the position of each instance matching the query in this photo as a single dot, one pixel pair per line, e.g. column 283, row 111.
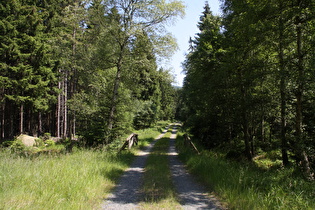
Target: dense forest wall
column 249, row 82
column 87, row 68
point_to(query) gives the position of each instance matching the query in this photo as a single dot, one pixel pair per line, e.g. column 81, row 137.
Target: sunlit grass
column 148, row 135
column 158, row 188
column 247, row 186
column 74, row 181
column 78, row 180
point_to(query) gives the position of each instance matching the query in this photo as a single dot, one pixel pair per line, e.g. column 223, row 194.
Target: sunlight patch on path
column 127, row 194
column 191, row 193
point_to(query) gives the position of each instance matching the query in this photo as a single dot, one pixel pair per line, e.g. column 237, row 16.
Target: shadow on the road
column 127, row 190
column 191, row 194
column 127, row 193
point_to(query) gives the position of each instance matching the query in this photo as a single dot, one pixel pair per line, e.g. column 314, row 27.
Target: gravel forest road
column 127, row 194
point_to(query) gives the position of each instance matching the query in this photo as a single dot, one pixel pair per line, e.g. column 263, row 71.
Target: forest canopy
column 85, row 68
column 249, row 84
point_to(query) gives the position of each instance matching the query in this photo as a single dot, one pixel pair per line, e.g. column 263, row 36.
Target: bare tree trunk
column 21, row 118
column 62, row 106
column 40, row 125
column 3, row 121
column 65, row 111
column 12, row 119
column 73, row 126
column 58, row 111
column 29, row 122
column 73, row 82
column 114, row 99
column 262, row 129
column 247, row 140
column 285, row 159
column 299, row 97
column 245, row 125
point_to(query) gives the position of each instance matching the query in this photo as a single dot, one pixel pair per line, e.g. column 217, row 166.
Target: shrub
column 46, row 136
column 39, row 142
column 49, row 143
column 7, row 143
column 17, row 146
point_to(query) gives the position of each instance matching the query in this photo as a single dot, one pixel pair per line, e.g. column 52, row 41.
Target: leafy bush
column 48, row 147
column 7, row 143
column 17, row 146
column 146, row 114
column 50, row 143
column 46, row 136
column 39, row 142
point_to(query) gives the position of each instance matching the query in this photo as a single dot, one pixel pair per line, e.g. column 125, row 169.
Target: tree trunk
column 21, row 118
column 13, row 118
column 247, row 141
column 114, row 99
column 65, row 111
column 29, row 116
column 73, row 82
column 245, row 126
column 262, row 129
column 299, row 112
column 285, row 159
column 40, row 126
column 3, row 121
column 58, row 111
column 73, row 127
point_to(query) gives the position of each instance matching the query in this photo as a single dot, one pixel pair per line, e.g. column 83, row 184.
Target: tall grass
column 158, row 189
column 78, row 180
column 74, row 181
column 245, row 186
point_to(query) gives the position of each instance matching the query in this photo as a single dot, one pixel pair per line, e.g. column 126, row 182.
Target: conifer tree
column 27, row 68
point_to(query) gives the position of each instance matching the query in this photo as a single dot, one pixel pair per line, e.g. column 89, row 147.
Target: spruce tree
column 25, row 59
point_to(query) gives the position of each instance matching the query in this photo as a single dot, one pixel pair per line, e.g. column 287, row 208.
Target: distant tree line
column 88, row 68
column 250, row 79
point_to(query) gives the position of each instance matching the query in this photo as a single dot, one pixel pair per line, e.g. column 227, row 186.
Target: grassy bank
column 77, row 180
column 247, row 186
column 158, row 189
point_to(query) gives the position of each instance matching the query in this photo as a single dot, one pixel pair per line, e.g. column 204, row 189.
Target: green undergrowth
column 244, row 185
column 148, row 135
column 80, row 179
column 158, row 188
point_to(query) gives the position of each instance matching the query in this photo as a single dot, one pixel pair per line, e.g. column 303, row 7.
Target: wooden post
column 130, row 141
column 189, row 142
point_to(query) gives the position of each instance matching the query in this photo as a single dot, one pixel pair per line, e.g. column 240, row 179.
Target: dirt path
column 127, row 193
column 191, row 194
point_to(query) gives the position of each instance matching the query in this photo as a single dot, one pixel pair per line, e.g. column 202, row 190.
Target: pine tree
column 27, row 69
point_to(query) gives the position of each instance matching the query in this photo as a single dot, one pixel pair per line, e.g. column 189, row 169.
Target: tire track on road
column 191, row 194
column 126, row 194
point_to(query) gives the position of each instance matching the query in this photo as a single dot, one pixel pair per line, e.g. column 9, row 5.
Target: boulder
column 27, row 140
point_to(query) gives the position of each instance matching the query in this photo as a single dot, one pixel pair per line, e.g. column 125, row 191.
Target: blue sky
column 185, row 28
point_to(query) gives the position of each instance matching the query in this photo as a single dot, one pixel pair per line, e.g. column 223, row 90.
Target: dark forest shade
column 250, row 79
